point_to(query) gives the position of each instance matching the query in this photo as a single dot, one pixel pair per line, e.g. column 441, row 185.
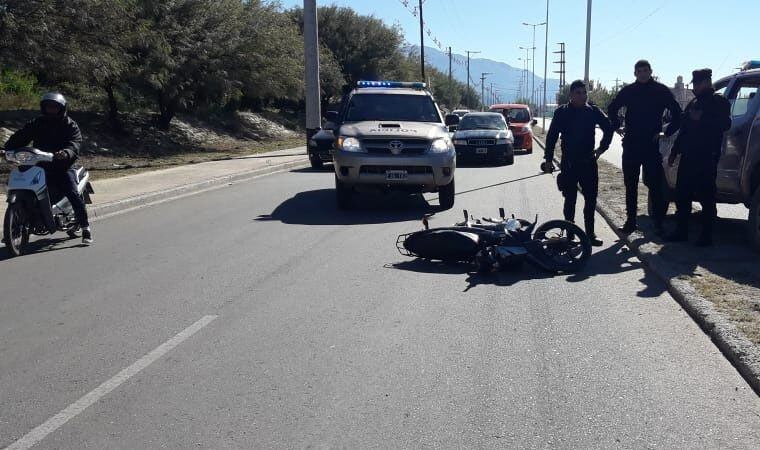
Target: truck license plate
column 395, row 175
column 481, row 151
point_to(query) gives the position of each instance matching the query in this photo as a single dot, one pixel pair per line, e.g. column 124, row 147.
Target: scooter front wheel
column 15, row 230
column 565, row 246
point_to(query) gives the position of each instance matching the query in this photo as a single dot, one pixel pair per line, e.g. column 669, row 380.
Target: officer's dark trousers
column 638, row 154
column 696, row 181
column 65, row 183
column 585, row 174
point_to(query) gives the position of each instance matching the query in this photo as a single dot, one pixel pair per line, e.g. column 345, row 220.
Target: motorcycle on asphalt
column 33, row 207
column 556, row 246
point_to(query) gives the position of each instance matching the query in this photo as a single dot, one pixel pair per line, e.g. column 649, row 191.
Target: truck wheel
column 316, row 162
column 446, row 195
column 343, row 194
column 754, row 220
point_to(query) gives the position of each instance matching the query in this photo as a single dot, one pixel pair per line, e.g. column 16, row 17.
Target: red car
column 520, row 122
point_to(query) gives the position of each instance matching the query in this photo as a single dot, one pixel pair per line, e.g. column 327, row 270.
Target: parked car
column 738, row 180
column 460, row 112
column 484, row 137
column 391, row 136
column 520, row 121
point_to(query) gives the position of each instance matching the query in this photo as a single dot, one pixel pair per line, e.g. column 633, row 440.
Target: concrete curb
column 106, row 210
column 740, row 351
column 109, row 209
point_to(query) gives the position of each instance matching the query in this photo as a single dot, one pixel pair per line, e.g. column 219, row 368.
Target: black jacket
column 645, row 104
column 701, row 140
column 50, row 135
column 578, row 129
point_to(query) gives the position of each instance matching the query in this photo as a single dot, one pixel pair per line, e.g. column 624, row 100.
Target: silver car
column 391, row 136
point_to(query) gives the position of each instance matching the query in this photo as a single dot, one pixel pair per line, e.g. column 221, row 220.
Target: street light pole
column 528, row 96
column 546, row 65
column 311, row 63
column 533, row 83
column 588, row 40
column 422, row 44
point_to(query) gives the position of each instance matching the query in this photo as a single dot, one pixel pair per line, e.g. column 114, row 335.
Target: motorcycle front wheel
column 15, row 230
column 565, row 246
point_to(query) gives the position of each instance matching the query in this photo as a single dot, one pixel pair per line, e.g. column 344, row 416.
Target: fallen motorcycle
column 491, row 244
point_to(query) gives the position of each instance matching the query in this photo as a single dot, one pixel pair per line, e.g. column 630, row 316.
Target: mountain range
column 506, row 79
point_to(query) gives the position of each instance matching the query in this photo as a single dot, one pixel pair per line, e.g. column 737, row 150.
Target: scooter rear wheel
column 15, row 231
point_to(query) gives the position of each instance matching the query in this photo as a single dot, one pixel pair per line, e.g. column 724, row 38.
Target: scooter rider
column 55, row 132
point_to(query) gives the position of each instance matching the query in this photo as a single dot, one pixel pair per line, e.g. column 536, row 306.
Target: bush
column 18, row 90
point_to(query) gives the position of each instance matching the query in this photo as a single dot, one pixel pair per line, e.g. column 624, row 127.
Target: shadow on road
column 327, row 168
column 44, row 245
column 318, row 207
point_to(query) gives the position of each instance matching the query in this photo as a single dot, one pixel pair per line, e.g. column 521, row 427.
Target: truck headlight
column 504, row 141
column 349, row 144
column 441, row 145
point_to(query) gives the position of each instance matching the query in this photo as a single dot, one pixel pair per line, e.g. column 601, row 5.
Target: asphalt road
column 315, row 332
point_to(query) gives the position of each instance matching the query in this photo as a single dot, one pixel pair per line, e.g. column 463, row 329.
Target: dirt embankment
column 138, row 145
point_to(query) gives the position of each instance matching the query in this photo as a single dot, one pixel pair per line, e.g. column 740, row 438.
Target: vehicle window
column 397, row 107
column 746, row 95
column 475, row 122
column 518, row 115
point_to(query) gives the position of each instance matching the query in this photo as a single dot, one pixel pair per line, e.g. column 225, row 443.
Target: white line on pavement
column 57, row 421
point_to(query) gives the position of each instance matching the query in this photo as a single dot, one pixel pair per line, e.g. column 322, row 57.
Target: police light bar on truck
column 749, row 65
column 391, row 84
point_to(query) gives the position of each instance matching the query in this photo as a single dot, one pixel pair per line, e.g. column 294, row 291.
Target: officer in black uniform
column 699, row 143
column 576, row 122
column 645, row 101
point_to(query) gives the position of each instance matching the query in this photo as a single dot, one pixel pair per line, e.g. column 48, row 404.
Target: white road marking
column 73, row 410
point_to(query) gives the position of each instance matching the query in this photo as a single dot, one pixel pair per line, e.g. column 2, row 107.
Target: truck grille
column 383, row 146
column 411, row 170
column 481, row 142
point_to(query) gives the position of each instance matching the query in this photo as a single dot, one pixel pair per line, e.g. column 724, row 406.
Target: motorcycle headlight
column 441, row 145
column 349, row 144
column 22, row 157
column 460, row 141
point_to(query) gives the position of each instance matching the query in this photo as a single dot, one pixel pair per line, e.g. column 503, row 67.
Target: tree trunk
column 113, row 109
column 168, row 110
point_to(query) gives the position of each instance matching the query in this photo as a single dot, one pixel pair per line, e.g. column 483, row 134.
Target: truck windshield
column 392, row 107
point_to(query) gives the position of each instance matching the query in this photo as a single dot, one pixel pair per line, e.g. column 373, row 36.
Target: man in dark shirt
column 699, row 143
column 645, row 102
column 576, row 122
column 54, row 131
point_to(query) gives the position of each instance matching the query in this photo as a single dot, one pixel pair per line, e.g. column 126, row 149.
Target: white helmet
column 53, row 97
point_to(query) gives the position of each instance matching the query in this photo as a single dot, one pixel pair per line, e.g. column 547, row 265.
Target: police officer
column 645, row 101
column 54, row 131
column 699, row 143
column 576, row 122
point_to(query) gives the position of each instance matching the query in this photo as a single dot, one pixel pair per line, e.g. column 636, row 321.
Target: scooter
column 32, row 207
column 491, row 244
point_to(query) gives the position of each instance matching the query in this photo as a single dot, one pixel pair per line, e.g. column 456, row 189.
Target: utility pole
column 588, row 40
column 311, row 63
column 492, row 95
column 617, row 83
column 422, row 44
column 528, row 91
column 561, row 63
column 449, row 65
column 469, row 52
column 533, row 83
column 483, row 89
column 546, row 65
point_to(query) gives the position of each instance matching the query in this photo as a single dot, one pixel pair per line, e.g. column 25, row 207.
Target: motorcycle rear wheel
column 15, row 231
column 565, row 245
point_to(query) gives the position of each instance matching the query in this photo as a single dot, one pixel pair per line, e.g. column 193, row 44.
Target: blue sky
column 676, row 36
